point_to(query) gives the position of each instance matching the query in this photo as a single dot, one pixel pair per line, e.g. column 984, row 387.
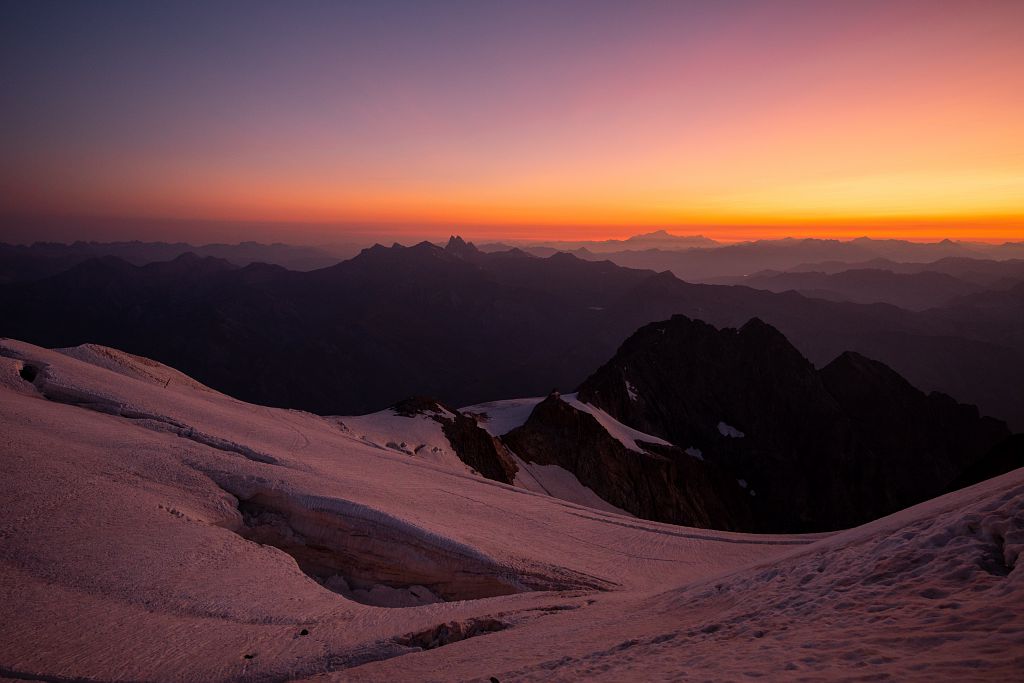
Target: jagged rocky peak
column 457, row 245
column 822, row 449
column 681, row 378
column 189, row 261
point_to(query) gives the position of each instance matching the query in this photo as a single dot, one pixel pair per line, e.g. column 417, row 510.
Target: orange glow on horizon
column 827, row 119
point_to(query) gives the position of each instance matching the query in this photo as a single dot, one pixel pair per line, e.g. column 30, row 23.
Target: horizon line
column 29, row 228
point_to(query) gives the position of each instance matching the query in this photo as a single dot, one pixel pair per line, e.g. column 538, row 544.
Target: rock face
column 1006, row 457
column 785, row 447
column 659, row 482
column 917, row 444
column 479, row 450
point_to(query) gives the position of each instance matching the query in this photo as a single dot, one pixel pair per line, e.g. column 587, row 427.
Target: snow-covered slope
column 501, row 417
column 933, row 593
column 418, row 436
column 159, row 531
column 627, row 436
column 558, row 482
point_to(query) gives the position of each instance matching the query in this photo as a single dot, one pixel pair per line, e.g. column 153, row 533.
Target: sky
column 317, row 121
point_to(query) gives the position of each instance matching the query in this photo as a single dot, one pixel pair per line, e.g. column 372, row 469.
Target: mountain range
column 693, row 258
column 488, row 326
column 746, row 258
column 914, row 286
column 42, row 259
column 658, row 239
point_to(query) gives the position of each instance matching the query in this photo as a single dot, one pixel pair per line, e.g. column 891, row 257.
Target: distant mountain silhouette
column 42, row 259
column 915, row 291
column 658, row 239
column 747, row 258
column 468, row 326
column 988, row 273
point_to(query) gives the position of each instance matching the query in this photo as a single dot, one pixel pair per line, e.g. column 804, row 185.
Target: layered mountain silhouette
column 913, row 286
column 709, row 263
column 914, row 291
column 468, row 326
column 20, row 263
column 985, row 272
column 658, row 239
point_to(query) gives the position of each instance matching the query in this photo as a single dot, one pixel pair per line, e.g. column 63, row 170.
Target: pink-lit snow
column 125, row 554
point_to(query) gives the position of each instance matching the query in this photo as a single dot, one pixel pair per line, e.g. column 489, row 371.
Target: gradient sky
column 512, row 119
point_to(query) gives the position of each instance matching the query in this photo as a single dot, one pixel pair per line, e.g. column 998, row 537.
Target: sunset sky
column 316, row 121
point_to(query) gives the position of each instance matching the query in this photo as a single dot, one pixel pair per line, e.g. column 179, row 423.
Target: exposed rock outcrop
column 658, row 482
column 816, row 450
column 1005, row 457
column 479, row 450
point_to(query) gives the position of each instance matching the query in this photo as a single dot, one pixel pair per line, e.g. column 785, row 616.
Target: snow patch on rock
column 501, row 417
column 558, row 482
column 627, row 436
column 419, row 436
column 730, row 431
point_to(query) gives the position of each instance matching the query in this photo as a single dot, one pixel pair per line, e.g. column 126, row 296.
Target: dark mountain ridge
column 745, row 258
column 461, row 324
column 913, row 291
column 986, row 272
column 43, row 259
column 915, row 286
column 787, row 447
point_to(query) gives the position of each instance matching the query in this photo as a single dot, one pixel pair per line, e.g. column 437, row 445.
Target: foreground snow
column 140, row 511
